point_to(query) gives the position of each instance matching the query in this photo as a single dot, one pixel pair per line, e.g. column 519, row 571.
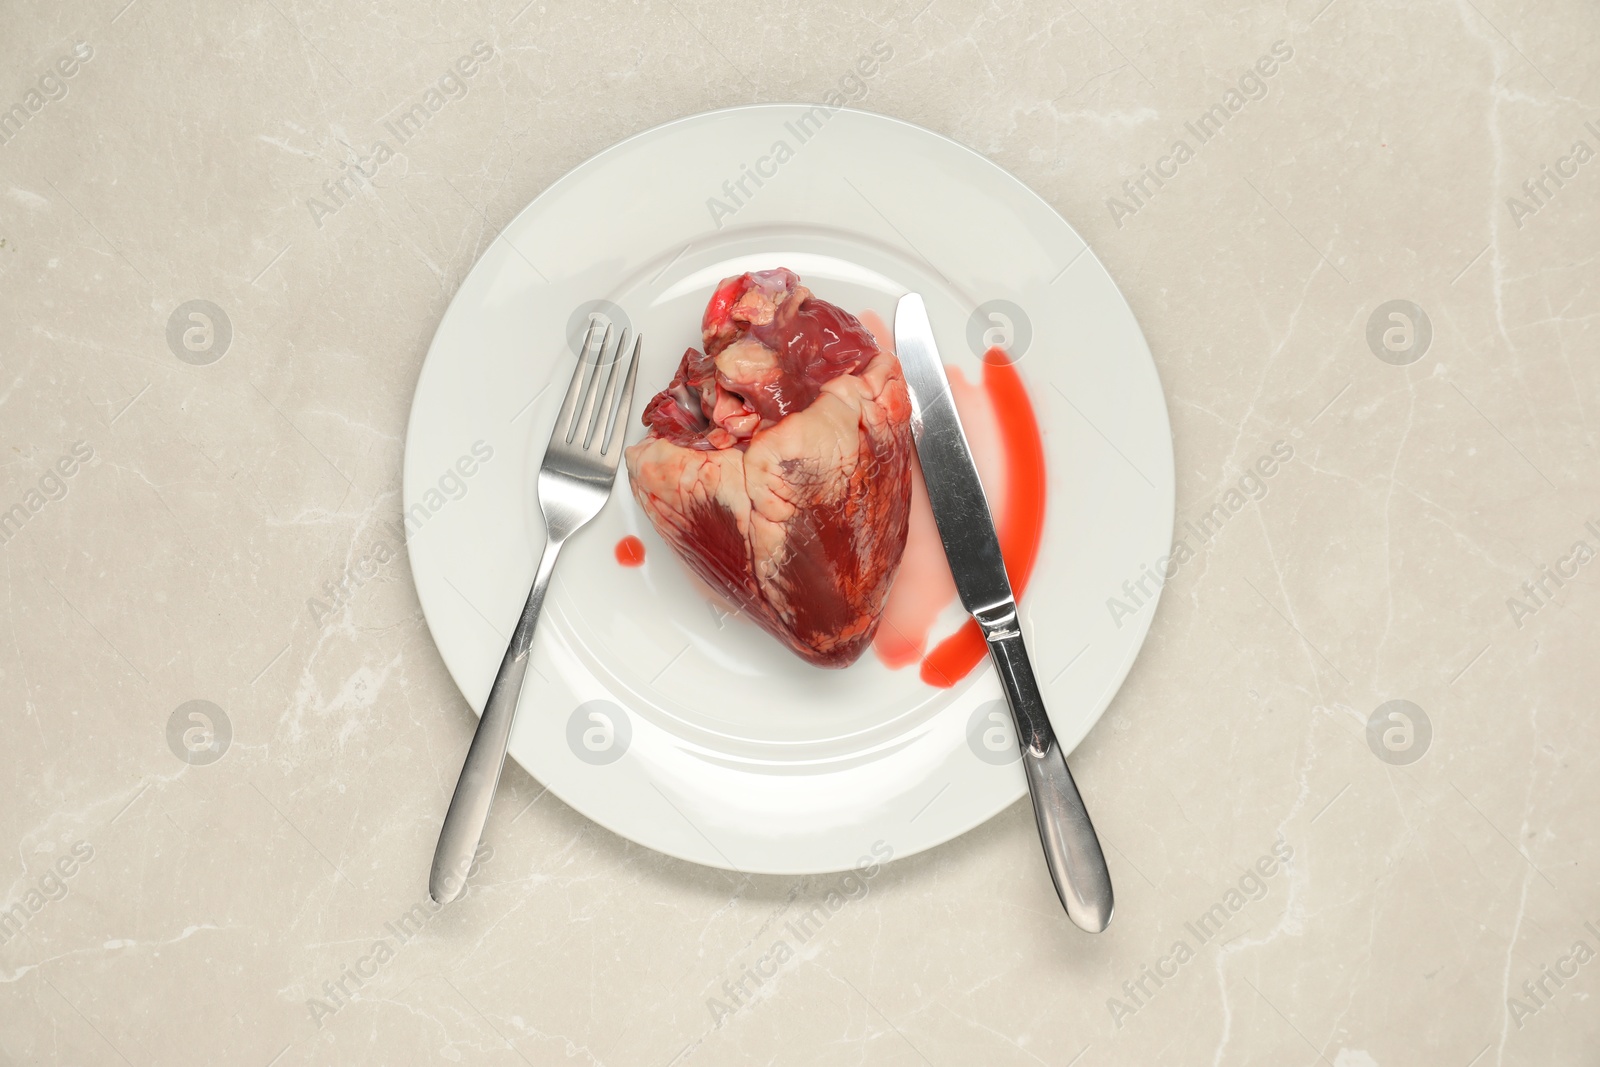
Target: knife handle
column 1071, row 849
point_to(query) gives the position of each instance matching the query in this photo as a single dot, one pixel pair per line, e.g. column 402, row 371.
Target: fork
column 575, row 479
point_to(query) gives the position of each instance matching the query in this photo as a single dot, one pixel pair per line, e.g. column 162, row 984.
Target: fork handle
column 480, row 772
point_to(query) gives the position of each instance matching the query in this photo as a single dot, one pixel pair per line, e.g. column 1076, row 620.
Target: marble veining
column 1345, row 792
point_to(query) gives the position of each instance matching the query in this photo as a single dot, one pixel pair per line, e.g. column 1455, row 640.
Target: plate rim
column 1144, row 621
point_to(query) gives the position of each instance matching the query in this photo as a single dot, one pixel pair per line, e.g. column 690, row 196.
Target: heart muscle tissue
column 778, row 464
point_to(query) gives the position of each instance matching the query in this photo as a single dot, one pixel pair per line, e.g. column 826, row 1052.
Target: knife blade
column 966, row 528
column 960, row 508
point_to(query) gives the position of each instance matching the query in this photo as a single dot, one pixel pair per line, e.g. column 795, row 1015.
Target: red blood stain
column 630, row 551
column 1020, row 525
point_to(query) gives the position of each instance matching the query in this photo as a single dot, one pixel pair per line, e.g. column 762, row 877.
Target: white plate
column 652, row 713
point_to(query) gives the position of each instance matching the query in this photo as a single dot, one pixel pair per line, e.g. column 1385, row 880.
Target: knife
column 966, row 526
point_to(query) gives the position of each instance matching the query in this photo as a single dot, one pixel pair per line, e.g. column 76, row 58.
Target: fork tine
column 617, row 427
column 563, row 426
column 591, row 371
column 590, row 388
column 603, row 408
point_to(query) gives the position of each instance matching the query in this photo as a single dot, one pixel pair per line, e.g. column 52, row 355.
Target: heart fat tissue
column 778, row 464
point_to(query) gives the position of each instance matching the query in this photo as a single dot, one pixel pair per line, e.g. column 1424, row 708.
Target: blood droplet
column 630, row 552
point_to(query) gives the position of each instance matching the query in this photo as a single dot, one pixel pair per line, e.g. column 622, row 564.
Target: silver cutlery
column 961, row 511
column 575, row 479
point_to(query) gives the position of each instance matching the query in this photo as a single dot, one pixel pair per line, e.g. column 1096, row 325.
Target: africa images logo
column 744, row 988
column 1251, row 487
column 51, row 86
column 52, row 486
column 408, row 121
column 1252, row 85
column 852, row 88
column 344, row 990
column 1254, row 884
column 50, row 887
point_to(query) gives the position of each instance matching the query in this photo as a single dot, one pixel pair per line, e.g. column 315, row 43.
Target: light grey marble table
column 1303, row 878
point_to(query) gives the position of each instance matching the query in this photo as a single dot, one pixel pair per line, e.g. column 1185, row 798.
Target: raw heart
column 778, row 464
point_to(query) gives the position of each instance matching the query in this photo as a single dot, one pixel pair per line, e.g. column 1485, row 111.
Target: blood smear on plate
column 1009, row 455
column 630, row 552
column 1020, row 519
